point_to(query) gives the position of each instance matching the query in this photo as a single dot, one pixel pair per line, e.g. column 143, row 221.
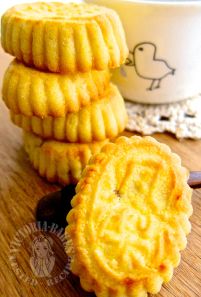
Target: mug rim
column 164, row 3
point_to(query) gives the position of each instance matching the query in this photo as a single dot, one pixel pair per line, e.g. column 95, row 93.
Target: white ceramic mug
column 164, row 39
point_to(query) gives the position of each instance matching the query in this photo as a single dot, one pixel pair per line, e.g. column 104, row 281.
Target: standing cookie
column 130, row 218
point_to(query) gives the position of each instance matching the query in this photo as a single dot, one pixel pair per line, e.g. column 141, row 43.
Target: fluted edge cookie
column 105, row 118
column 59, row 161
column 130, row 218
column 62, row 37
column 35, row 93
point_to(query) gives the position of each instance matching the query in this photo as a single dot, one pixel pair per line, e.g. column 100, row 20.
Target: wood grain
column 21, row 189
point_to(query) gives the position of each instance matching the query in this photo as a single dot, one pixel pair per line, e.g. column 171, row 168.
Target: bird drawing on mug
column 148, row 66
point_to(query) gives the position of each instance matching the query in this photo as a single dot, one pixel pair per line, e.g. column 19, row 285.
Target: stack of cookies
column 58, row 88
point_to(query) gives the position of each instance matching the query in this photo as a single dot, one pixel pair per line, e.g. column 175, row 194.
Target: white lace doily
column 182, row 118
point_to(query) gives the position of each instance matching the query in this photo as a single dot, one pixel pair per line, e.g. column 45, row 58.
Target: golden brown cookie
column 130, row 218
column 59, row 161
column 32, row 92
column 62, row 37
column 105, row 118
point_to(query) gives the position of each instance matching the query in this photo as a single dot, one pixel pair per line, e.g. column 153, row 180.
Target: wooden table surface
column 21, row 189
